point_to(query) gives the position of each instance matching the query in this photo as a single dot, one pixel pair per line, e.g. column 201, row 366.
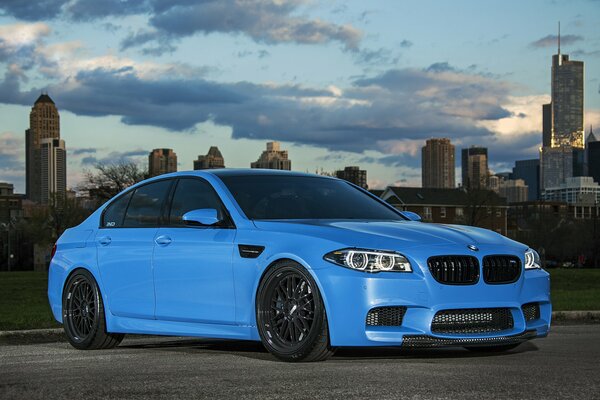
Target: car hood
column 401, row 234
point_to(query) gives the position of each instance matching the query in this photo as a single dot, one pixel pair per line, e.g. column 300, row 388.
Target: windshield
column 304, row 197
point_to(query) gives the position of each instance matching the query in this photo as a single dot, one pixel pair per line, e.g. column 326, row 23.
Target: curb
column 574, row 317
column 58, row 335
column 32, row 336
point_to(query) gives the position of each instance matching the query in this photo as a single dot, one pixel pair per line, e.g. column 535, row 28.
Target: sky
column 337, row 82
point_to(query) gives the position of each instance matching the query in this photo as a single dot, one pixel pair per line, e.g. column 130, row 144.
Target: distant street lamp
column 9, row 255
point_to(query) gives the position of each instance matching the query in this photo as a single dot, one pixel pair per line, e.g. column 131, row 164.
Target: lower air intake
column 474, row 320
column 531, row 311
column 386, row 316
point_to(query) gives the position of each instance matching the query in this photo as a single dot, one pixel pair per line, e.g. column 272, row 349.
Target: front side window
column 146, row 205
column 115, row 212
column 192, row 194
column 271, row 197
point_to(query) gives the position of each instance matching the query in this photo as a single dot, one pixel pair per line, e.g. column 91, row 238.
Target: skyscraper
column 563, row 123
column 547, row 125
column 44, row 125
column 528, row 171
column 273, row 158
column 355, row 175
column 212, row 159
column 557, row 165
column 475, row 167
column 593, row 156
column 437, row 164
column 162, row 161
column 53, row 164
column 567, row 101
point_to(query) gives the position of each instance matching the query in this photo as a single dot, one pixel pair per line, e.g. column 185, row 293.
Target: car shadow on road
column 255, row 350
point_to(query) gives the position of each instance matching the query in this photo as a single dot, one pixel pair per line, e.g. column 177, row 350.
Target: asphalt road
column 564, row 365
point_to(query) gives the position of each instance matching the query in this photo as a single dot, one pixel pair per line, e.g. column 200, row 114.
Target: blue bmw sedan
column 300, row 262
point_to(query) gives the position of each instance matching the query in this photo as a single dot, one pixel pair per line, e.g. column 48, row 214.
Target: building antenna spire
column 558, row 37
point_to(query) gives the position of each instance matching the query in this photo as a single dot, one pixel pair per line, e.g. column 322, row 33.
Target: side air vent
column 250, row 251
column 386, row 316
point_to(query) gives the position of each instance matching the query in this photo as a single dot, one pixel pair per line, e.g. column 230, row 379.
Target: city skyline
column 374, row 108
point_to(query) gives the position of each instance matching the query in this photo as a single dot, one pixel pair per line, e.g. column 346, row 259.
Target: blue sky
column 338, row 82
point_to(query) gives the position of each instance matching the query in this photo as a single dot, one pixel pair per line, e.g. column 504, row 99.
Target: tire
column 290, row 315
column 493, row 349
column 83, row 314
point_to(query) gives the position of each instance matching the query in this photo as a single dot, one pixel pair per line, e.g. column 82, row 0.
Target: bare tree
column 46, row 223
column 106, row 180
column 477, row 203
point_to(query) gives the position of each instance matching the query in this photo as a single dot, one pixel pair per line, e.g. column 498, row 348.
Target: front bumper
column 350, row 295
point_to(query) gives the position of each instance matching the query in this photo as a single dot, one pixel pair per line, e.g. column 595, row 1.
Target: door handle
column 163, row 240
column 105, row 240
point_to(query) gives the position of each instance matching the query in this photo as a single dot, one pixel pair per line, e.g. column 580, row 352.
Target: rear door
column 193, row 271
column 125, row 244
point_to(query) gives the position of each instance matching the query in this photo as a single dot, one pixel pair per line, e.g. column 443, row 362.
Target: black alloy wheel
column 290, row 314
column 83, row 314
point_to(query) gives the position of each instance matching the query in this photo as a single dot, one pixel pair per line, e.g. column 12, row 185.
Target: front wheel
column 290, row 315
column 83, row 314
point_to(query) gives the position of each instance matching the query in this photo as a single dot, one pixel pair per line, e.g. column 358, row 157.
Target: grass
column 24, row 303
column 575, row 289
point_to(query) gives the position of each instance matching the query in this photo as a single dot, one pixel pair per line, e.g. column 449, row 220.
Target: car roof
column 225, row 172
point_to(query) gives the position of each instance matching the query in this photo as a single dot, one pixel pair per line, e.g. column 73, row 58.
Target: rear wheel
column 83, row 314
column 492, row 349
column 290, row 315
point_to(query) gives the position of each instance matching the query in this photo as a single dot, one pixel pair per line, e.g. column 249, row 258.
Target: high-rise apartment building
column 161, row 161
column 355, row 175
column 41, row 178
column 212, row 159
column 53, row 168
column 563, row 123
column 273, row 158
column 475, row 167
column 437, row 164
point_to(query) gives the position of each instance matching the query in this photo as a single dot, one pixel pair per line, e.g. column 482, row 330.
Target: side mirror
column 202, row 216
column 411, row 216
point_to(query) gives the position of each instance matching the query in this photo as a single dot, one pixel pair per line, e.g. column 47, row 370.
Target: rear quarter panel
column 75, row 249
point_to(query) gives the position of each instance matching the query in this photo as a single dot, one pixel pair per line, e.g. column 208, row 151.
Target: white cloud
column 23, row 34
column 525, row 118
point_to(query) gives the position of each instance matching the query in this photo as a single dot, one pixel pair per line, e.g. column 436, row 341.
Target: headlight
column 369, row 260
column 532, row 259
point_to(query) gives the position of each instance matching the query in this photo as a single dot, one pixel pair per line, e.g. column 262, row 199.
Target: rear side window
column 192, row 194
column 115, row 212
column 146, row 204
